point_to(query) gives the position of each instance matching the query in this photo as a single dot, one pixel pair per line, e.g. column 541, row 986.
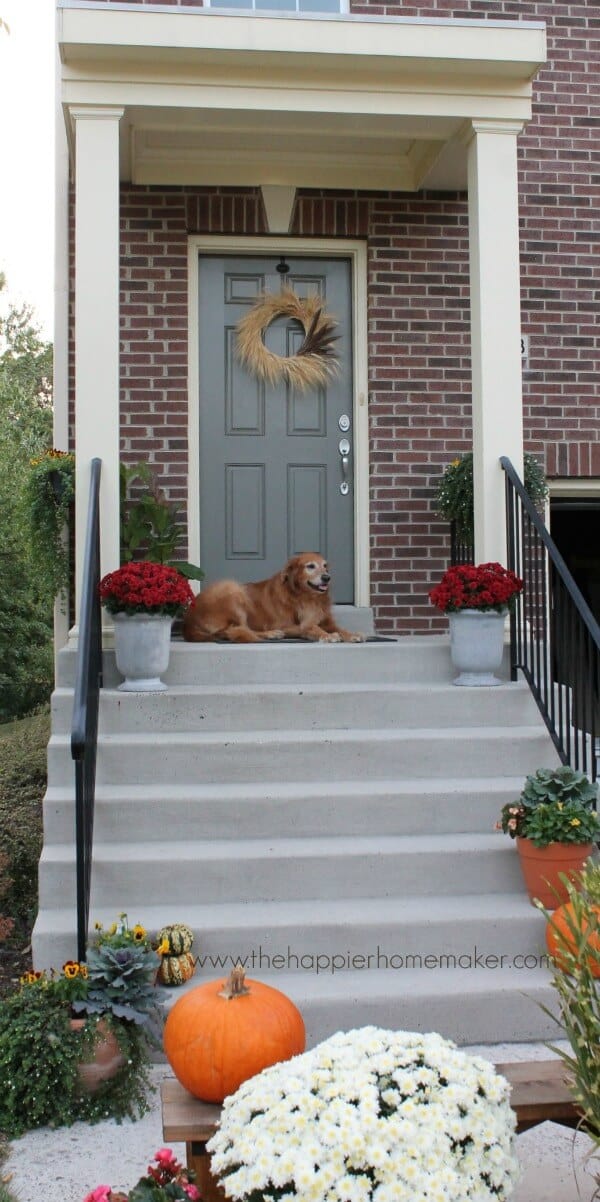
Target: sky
column 27, row 156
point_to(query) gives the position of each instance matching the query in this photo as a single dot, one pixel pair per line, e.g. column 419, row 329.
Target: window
column 281, row 6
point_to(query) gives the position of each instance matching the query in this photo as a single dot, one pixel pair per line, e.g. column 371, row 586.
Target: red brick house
column 430, row 171
column 415, row 95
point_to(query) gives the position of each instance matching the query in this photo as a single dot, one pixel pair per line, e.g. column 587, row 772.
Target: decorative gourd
column 561, row 939
column 220, row 1034
column 179, row 936
column 174, row 970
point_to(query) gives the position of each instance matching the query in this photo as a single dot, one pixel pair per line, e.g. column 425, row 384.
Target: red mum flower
column 484, row 586
column 145, row 588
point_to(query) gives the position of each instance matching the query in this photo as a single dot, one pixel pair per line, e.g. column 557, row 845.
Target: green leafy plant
column 23, row 770
column 6, row 924
column 49, row 494
column 556, row 805
column 151, row 527
column 454, row 497
column 40, row 1055
column 122, row 967
column 576, row 979
column 165, row 1179
column 26, row 604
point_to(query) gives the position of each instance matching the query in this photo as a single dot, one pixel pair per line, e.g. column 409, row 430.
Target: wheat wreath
column 314, row 362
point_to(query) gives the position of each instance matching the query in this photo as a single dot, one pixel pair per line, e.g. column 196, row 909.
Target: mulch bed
column 14, row 961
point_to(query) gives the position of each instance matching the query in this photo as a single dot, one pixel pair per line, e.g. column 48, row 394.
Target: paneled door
column 275, row 463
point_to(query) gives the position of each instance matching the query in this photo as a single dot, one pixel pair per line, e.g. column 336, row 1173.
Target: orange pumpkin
column 560, row 938
column 220, row 1034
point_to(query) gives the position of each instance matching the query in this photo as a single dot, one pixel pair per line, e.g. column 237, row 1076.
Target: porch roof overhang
column 347, row 101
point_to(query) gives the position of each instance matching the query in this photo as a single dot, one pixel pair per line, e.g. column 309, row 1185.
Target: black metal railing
column 555, row 638
column 84, row 729
column 460, row 551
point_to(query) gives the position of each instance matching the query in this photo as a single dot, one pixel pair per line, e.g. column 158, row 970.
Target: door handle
column 344, row 449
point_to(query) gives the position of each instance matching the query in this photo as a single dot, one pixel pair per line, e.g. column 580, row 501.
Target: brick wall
column 419, row 365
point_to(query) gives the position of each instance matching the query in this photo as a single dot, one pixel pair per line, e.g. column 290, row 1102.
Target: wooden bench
column 538, row 1094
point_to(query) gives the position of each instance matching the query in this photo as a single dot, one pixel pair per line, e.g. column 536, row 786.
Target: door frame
column 356, row 252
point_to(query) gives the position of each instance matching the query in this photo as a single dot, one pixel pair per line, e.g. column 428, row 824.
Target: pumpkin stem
column 235, row 985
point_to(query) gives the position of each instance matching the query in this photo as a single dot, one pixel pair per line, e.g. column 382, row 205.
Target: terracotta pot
column 541, row 867
column 106, row 1058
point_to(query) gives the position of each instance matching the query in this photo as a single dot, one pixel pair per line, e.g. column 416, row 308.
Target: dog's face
column 307, row 573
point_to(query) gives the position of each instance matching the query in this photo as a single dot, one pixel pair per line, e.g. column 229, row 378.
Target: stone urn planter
column 142, row 650
column 477, row 645
column 144, row 598
column 476, row 598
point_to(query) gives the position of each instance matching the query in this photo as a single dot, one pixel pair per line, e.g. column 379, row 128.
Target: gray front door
column 270, row 461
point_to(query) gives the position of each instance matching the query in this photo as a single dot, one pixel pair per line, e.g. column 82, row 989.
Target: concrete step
column 476, row 1001
column 499, row 931
column 309, row 707
column 222, row 870
column 308, row 756
column 257, row 810
column 468, row 1005
column 424, row 658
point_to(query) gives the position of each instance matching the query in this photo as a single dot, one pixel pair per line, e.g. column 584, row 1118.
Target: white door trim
column 356, row 252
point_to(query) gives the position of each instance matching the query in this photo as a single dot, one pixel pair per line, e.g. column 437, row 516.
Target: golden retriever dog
column 292, row 604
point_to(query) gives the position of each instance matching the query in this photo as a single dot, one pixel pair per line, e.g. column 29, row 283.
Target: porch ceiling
column 211, row 98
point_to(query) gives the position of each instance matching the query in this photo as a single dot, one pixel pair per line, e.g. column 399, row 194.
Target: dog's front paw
column 357, row 638
column 330, row 638
column 274, row 634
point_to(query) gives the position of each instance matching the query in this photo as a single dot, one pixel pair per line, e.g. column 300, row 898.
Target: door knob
column 344, row 449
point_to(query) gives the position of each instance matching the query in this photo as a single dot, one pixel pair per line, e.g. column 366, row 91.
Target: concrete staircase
column 325, row 813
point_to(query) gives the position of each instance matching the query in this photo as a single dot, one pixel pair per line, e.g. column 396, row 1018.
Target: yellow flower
column 139, row 933
column 71, row 969
column 455, row 463
column 575, row 822
column 113, row 929
column 30, row 978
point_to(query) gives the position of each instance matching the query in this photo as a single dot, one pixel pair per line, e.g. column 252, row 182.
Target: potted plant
column 121, row 974
column 454, row 497
column 370, row 1114
column 143, row 599
column 151, row 527
column 50, row 492
column 166, row 1180
column 477, row 599
column 48, row 1058
column 555, row 824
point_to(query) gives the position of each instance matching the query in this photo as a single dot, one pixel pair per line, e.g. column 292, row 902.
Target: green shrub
column 577, row 982
column 454, row 497
column 23, row 747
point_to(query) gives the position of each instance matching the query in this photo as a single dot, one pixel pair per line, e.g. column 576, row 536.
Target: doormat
column 371, row 638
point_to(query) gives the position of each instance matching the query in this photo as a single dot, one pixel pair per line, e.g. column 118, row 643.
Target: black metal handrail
column 555, row 638
column 460, row 550
column 84, row 728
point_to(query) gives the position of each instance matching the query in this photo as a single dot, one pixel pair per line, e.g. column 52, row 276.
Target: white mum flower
column 371, row 1116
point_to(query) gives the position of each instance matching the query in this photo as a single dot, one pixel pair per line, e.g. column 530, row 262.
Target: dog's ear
column 289, row 574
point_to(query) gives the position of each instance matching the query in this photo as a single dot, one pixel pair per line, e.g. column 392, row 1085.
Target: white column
column 60, row 373
column 97, row 325
column 495, row 326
